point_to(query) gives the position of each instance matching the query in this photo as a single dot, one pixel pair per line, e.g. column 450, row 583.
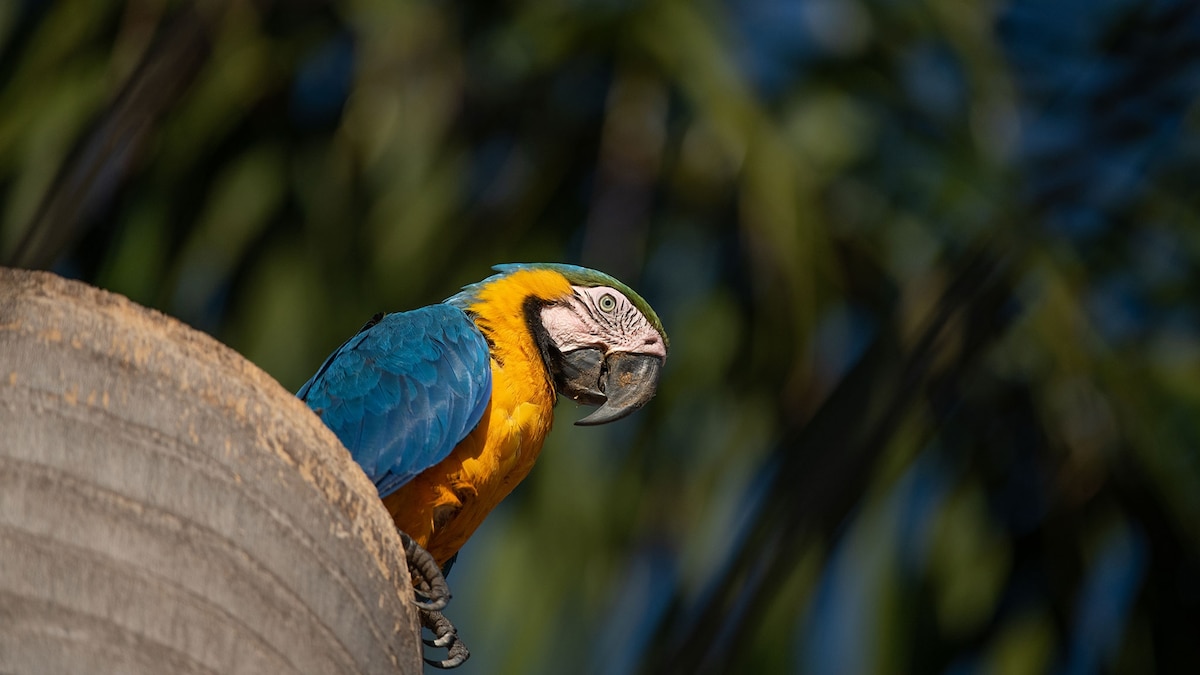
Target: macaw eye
column 607, row 303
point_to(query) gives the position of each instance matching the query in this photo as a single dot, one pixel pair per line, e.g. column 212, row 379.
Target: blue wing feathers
column 404, row 391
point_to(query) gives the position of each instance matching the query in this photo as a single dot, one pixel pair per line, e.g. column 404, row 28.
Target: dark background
column 928, row 268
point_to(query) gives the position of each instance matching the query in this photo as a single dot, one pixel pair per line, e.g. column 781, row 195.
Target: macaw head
column 607, row 346
column 601, row 342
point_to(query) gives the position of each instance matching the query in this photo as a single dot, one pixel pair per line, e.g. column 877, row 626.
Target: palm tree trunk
column 167, row 507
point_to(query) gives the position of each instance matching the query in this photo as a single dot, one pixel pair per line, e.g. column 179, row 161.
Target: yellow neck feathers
column 499, row 311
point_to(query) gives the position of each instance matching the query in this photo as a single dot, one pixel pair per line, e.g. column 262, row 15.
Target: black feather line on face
column 629, row 318
column 541, row 337
column 585, row 301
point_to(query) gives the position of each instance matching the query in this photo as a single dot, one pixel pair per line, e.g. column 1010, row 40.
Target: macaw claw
column 445, row 635
column 432, row 593
column 429, row 584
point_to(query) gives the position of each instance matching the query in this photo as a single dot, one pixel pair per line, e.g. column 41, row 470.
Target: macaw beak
column 619, row 383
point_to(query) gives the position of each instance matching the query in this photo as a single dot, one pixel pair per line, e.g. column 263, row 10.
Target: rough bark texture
column 167, row 507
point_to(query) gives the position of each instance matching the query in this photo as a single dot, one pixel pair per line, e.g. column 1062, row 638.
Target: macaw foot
column 445, row 635
column 432, row 594
column 429, row 584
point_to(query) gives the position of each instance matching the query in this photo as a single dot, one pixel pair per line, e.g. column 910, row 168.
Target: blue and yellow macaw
column 446, row 407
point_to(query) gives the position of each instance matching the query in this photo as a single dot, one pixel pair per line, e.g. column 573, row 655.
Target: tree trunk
column 167, row 507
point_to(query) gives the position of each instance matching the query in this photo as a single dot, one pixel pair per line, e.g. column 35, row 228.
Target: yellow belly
column 442, row 507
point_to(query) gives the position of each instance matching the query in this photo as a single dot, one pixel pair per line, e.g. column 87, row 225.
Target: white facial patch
column 600, row 317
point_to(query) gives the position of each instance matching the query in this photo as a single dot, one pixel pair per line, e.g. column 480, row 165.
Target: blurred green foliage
column 933, row 400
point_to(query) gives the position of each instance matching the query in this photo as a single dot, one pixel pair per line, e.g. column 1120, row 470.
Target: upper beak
column 620, row 383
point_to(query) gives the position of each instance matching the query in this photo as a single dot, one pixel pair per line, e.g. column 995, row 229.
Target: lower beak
column 578, row 376
column 626, row 383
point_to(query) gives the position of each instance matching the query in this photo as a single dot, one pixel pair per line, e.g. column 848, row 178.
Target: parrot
column 446, row 407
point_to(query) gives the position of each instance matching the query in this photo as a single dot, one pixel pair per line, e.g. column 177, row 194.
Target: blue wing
column 404, row 391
